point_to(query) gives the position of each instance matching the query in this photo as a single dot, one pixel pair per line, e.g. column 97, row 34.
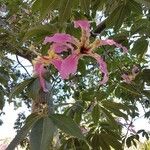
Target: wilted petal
column 69, row 65
column 58, row 38
column 112, row 42
column 102, row 67
column 83, row 24
column 39, row 70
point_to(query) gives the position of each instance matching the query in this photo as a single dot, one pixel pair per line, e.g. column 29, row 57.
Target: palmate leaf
column 42, row 134
column 30, row 121
column 20, row 87
column 67, row 125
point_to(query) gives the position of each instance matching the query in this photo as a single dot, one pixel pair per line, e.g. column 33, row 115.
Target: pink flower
column 39, row 66
column 128, row 78
column 3, row 146
column 79, row 48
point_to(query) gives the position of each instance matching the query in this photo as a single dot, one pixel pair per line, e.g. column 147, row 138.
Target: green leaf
column 4, row 77
column 85, row 5
column 19, row 88
column 110, row 140
column 144, row 2
column 134, row 6
column 115, row 108
column 117, row 17
column 33, row 89
column 110, row 118
column 96, row 113
column 67, row 125
column 95, row 141
column 128, row 142
column 48, row 5
column 36, row 5
column 140, row 47
column 42, row 134
column 40, row 31
column 87, row 95
column 65, row 10
column 103, row 143
column 82, row 67
column 30, row 121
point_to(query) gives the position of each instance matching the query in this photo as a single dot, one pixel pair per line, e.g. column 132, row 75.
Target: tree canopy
column 90, row 71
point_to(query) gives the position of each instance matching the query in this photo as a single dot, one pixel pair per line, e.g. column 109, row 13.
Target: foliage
column 77, row 113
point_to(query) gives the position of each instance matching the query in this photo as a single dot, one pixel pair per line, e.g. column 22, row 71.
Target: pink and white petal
column 83, row 24
column 112, row 42
column 59, row 38
column 39, row 70
column 69, row 65
column 102, row 67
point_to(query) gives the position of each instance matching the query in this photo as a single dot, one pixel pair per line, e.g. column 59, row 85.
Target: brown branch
column 100, row 28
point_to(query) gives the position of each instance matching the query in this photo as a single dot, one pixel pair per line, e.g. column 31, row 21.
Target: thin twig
column 22, row 65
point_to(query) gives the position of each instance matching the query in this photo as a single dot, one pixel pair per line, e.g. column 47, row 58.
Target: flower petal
column 59, row 38
column 112, row 42
column 102, row 67
column 69, row 65
column 83, row 24
column 57, row 63
column 126, row 78
column 39, row 70
column 61, row 47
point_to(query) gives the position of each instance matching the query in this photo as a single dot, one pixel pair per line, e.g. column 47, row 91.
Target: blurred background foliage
column 80, row 103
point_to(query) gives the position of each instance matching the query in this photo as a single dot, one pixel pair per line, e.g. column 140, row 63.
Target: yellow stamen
column 52, row 54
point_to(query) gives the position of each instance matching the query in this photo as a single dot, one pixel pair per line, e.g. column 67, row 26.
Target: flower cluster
column 79, row 48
